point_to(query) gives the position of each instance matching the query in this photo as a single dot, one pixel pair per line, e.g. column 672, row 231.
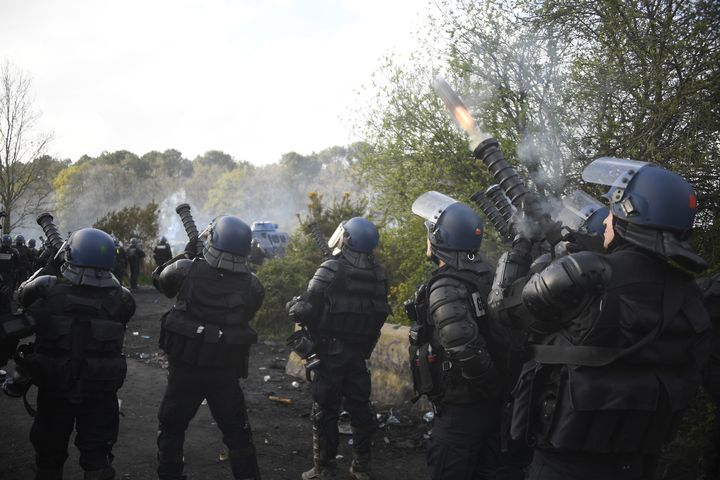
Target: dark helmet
column 358, row 234
column 645, row 194
column 451, row 225
column 163, row 240
column 133, row 242
column 454, row 229
column 90, row 248
column 19, row 240
column 580, row 212
column 228, row 233
column 653, row 208
column 31, row 243
column 7, row 241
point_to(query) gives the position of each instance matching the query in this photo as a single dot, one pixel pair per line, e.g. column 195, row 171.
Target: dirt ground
column 282, row 432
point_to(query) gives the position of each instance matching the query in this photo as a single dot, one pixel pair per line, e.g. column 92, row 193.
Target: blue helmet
column 451, row 225
column 7, row 241
column 31, row 243
column 644, row 194
column 90, row 248
column 228, row 233
column 19, row 240
column 359, row 234
column 133, row 241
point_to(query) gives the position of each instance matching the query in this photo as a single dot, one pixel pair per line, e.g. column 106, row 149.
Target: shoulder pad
column 324, row 275
column 36, row 288
column 128, row 305
column 256, row 287
column 566, row 284
column 173, row 276
column 446, row 290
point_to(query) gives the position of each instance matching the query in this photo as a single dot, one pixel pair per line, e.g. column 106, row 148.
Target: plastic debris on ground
column 266, row 378
column 429, row 417
column 146, row 337
column 339, row 457
column 135, row 334
column 350, row 442
column 204, row 402
column 222, row 457
column 392, row 419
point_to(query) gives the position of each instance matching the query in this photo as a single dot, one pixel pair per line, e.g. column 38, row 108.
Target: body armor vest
column 79, row 339
column 626, row 367
column 355, row 305
column 434, row 374
column 210, row 324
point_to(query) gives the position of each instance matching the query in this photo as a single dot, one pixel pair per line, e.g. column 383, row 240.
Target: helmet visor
column 430, row 205
column 337, row 235
column 611, row 171
column 577, row 207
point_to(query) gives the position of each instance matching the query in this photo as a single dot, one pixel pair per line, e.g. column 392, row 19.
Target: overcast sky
column 253, row 78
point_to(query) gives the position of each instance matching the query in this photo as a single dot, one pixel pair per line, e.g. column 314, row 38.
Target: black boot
column 362, row 443
column 102, row 474
column 243, row 463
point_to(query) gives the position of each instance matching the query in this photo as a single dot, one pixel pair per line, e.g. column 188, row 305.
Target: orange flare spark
column 464, row 119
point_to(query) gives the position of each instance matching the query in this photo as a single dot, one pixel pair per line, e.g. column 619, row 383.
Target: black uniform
column 24, row 264
column 459, row 363
column 135, row 256
column 207, row 337
column 121, row 262
column 8, row 275
column 78, row 366
column 711, row 378
column 618, row 343
column 33, row 255
column 162, row 253
column 344, row 308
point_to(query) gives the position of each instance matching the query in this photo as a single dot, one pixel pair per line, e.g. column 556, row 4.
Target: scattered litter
column 135, row 334
column 222, row 457
column 295, row 452
column 266, row 378
column 429, row 417
column 283, row 400
column 267, row 442
column 143, row 355
column 350, row 442
column 427, row 435
column 204, row 402
column 339, row 457
column 146, row 337
column 344, row 427
column 295, row 385
column 386, row 440
column 392, row 419
column 262, row 368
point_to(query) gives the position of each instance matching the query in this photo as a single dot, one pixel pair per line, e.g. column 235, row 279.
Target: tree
column 128, row 222
column 20, row 146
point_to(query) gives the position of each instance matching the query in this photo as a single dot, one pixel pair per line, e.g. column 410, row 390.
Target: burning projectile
column 459, row 112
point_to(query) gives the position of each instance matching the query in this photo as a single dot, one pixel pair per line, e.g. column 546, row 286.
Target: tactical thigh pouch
column 426, row 369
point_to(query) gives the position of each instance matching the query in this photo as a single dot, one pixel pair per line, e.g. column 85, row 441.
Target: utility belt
column 206, row 345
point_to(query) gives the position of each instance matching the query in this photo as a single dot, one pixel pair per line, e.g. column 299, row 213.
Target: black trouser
column 711, row 384
column 186, row 389
column 120, row 275
column 465, row 444
column 134, row 272
column 95, row 420
column 342, row 379
column 549, row 465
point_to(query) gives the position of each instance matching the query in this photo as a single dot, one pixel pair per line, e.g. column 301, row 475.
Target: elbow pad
column 35, row 289
column 559, row 291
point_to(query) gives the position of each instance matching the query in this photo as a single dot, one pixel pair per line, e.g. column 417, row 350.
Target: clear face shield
column 335, row 242
column 613, row 172
column 577, row 208
column 430, row 206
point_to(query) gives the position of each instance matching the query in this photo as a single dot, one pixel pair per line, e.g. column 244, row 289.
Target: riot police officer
column 455, row 358
column 77, row 359
column 121, row 261
column 207, row 338
column 8, row 273
column 135, row 256
column 24, row 262
column 162, row 252
column 710, row 463
column 33, row 253
column 618, row 338
column 344, row 308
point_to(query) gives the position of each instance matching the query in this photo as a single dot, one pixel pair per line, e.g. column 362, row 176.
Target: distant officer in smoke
column 121, row 261
column 24, row 262
column 207, row 337
column 8, row 272
column 162, row 252
column 135, row 256
column 618, row 339
column 344, row 308
column 457, row 358
column 33, row 254
column 77, row 359
column 257, row 254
